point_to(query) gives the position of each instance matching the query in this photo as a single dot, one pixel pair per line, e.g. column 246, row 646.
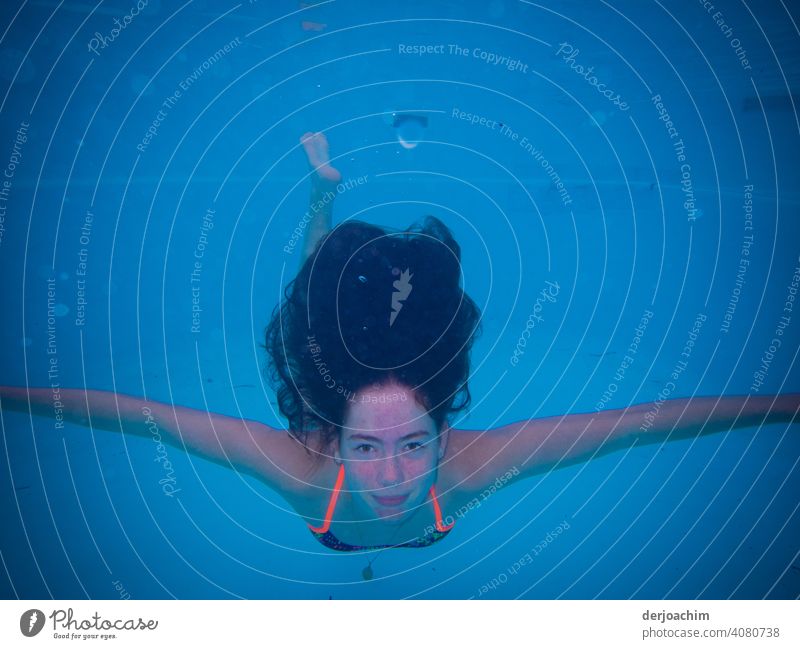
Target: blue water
column 644, row 220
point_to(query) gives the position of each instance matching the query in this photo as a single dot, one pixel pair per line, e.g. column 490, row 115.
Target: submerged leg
column 323, row 182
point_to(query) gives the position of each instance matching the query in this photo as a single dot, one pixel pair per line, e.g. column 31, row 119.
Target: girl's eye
column 416, row 446
column 363, row 448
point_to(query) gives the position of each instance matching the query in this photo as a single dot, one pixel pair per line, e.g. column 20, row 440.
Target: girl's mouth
column 391, row 501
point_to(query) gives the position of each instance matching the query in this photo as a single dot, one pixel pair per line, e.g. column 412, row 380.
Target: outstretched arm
column 269, row 453
column 529, row 447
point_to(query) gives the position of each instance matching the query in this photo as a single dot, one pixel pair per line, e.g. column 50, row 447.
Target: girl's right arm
column 271, row 454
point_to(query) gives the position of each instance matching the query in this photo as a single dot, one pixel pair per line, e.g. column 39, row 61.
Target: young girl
column 369, row 356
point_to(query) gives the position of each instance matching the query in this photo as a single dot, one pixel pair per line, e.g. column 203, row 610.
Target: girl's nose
column 391, row 471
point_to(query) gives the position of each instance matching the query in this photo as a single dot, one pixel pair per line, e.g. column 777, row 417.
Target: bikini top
column 323, row 534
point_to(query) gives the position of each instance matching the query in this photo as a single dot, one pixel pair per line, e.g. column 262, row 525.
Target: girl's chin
column 389, row 514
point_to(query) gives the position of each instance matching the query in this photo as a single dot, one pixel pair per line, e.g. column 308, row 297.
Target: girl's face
column 391, row 451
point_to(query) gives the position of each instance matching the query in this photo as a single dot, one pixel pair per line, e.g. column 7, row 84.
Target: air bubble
column 409, row 129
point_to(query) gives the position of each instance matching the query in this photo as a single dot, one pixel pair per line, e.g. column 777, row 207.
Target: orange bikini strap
column 331, row 504
column 438, row 512
column 335, row 495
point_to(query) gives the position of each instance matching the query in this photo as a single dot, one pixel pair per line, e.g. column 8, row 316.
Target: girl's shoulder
column 313, row 479
column 312, row 494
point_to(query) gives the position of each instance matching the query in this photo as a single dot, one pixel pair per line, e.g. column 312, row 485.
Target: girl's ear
column 337, row 456
column 443, row 436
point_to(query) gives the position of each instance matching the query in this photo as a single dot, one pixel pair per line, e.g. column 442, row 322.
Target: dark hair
column 368, row 307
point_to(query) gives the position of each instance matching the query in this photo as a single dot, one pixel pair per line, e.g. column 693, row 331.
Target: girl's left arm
column 525, row 448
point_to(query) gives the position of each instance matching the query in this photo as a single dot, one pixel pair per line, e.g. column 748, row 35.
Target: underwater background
column 637, row 160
